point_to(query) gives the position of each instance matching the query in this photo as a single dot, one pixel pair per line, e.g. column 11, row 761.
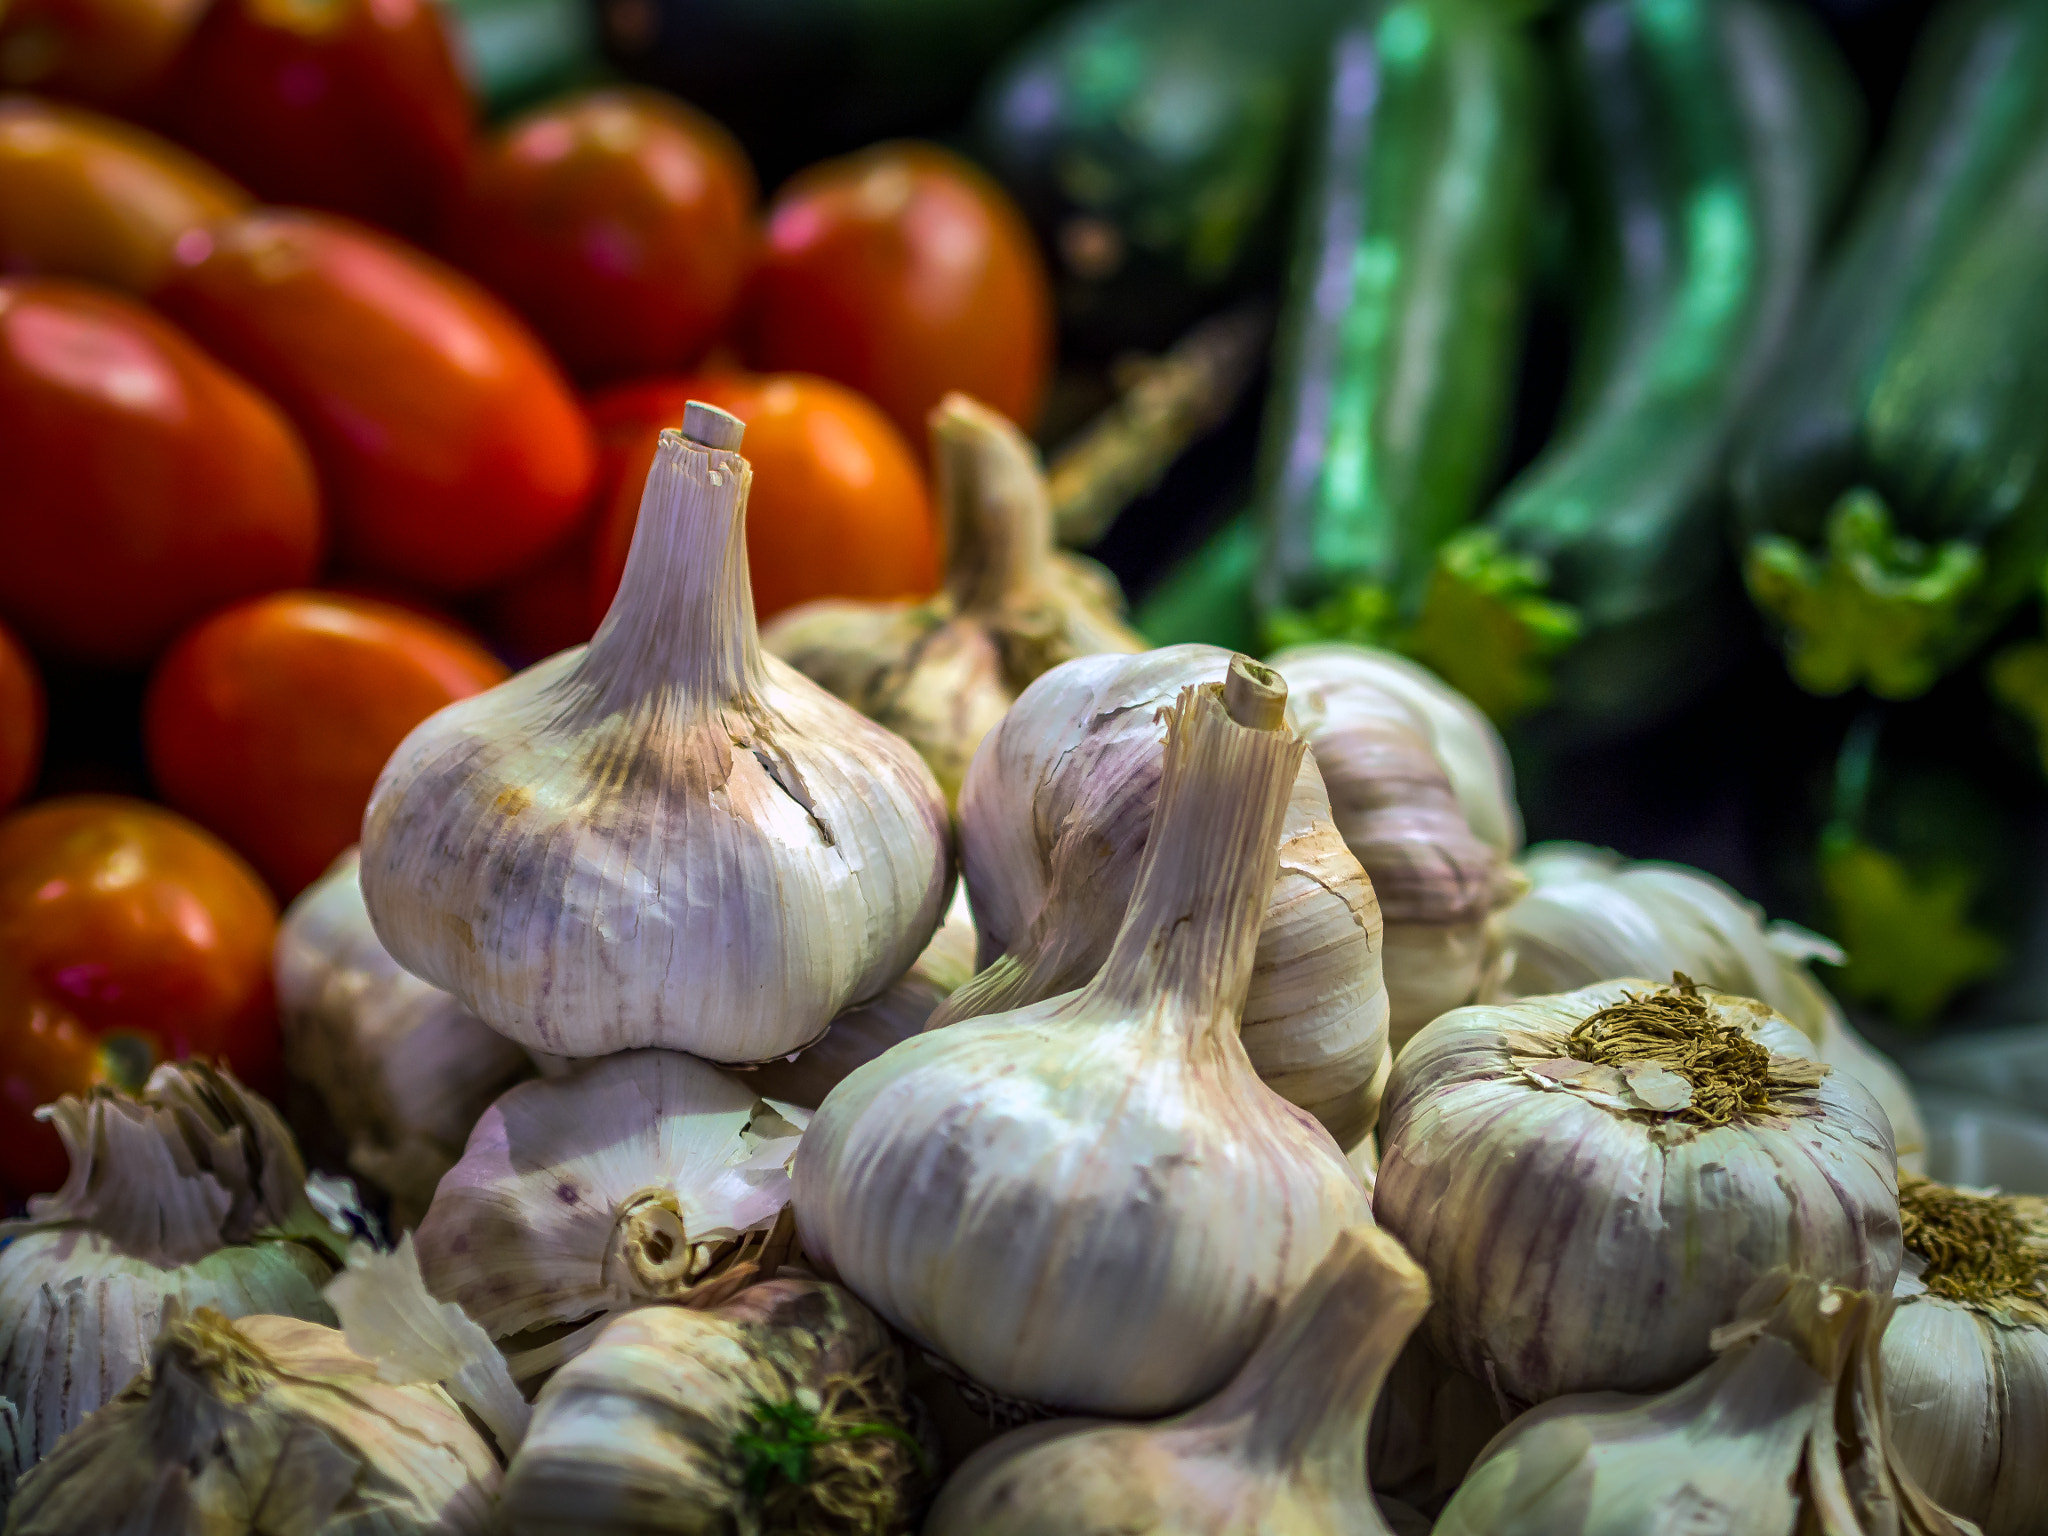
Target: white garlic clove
column 1594, row 1180
column 664, row 838
column 1281, row 1448
column 1093, row 1203
column 648, row 1176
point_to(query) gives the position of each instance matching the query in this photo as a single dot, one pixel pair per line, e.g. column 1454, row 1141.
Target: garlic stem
column 998, row 515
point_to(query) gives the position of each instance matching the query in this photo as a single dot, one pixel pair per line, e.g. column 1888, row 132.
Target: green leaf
column 1908, row 934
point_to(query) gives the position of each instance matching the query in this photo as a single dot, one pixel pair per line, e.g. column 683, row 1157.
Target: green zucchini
column 517, row 52
column 1710, row 141
column 1892, row 490
column 1206, row 598
column 1396, row 353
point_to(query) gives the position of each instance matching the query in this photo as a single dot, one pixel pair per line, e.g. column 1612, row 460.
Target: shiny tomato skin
column 127, row 936
column 111, row 53
column 905, row 272
column 450, row 447
column 355, row 106
column 144, row 484
column 269, row 722
column 23, row 716
column 619, row 222
column 839, row 507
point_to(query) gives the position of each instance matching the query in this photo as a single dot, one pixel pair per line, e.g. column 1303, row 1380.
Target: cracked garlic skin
column 1593, row 1180
column 259, row 1426
column 1966, row 1354
column 1055, row 818
column 401, row 1068
column 1782, row 1435
column 664, row 838
column 1280, row 1449
column 941, row 673
column 643, row 1177
column 1092, row 1203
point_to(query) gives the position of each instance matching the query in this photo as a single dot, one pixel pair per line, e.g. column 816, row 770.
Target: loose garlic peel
column 643, row 1177
column 1281, row 1448
column 1594, row 1180
column 263, row 1424
column 1966, row 1354
column 1784, row 1434
column 1093, row 1203
column 941, row 673
column 664, row 838
column 1054, row 821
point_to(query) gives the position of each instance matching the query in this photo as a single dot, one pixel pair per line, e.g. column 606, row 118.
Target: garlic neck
column 998, row 514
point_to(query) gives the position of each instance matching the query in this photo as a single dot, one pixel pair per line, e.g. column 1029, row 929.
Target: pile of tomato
column 321, row 405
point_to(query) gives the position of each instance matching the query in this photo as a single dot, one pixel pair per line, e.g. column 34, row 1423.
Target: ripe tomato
column 352, row 105
column 905, row 272
column 620, row 222
column 838, row 508
column 269, row 722
column 85, row 196
column 449, row 445
column 22, row 719
column 144, row 484
column 127, row 936
column 112, row 53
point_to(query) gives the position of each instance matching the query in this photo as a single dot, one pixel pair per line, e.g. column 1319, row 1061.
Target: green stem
column 1487, row 626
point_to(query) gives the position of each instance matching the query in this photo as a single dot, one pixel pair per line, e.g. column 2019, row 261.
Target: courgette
column 1892, row 488
column 1709, row 141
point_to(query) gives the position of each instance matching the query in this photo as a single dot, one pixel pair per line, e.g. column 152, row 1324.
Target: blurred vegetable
column 350, row 105
column 111, row 53
column 1206, row 597
column 450, row 448
column 839, row 507
column 127, row 936
column 90, row 197
column 904, row 272
column 1396, row 363
column 23, row 716
column 544, row 608
column 1710, row 140
column 619, row 222
column 515, row 52
column 1893, row 483
column 144, row 483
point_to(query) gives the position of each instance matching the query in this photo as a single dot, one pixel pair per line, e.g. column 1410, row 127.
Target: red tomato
column 22, row 719
column 353, row 105
column 143, row 483
column 269, row 722
column 127, row 936
column 112, row 53
column 905, row 272
column 620, row 222
column 544, row 608
column 838, row 507
column 449, row 445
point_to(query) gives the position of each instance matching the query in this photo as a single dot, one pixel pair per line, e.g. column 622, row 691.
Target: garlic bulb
column 783, row 1409
column 1054, row 821
column 1429, row 1426
column 641, row 1177
column 1591, row 915
column 1593, row 1180
column 189, row 1195
column 664, row 837
column 1966, row 1354
column 1093, row 1203
column 1782, row 1435
column 1281, row 1448
column 400, row 1067
column 1437, row 879
column 941, row 673
column 266, row 1424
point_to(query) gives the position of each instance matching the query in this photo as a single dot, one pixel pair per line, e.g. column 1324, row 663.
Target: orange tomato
column 22, row 718
column 85, row 196
column 839, row 507
column 112, row 53
column 269, row 722
column 143, row 484
column 127, row 936
column 905, row 272
column 350, row 105
column 450, row 447
column 619, row 222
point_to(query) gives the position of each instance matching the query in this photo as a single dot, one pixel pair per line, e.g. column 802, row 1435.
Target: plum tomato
column 111, row 53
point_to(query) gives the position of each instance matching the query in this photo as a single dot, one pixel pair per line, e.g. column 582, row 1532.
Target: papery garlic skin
column 1092, row 1202
column 1581, row 1233
column 664, row 838
column 402, row 1069
column 1280, row 1449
